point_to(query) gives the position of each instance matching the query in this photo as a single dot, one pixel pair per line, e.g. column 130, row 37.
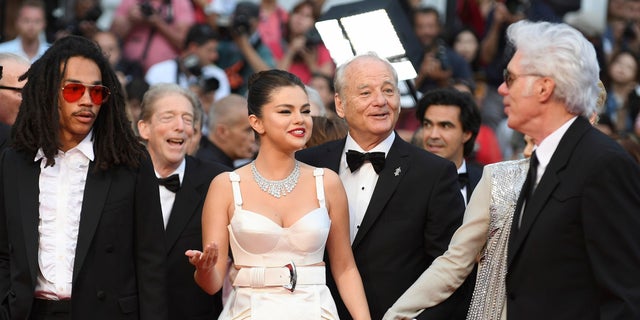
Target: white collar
column 383, row 146
column 85, row 147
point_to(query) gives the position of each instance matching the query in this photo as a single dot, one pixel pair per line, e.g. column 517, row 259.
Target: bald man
column 13, row 66
column 230, row 136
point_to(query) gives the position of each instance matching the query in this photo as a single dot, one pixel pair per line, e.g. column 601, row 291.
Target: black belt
column 41, row 306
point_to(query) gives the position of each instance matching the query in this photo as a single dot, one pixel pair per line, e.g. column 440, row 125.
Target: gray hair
column 315, row 99
column 564, row 54
column 160, row 90
column 340, row 81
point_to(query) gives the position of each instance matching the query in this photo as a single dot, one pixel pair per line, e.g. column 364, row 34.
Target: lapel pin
column 397, row 172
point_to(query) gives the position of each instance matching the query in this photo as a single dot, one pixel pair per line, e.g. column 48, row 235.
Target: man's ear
column 466, row 136
column 339, row 105
column 545, row 89
column 143, row 130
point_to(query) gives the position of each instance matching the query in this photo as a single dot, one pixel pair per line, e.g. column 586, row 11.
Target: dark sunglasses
column 16, row 89
column 72, row 92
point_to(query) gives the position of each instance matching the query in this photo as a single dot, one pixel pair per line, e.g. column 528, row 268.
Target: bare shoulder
column 331, row 179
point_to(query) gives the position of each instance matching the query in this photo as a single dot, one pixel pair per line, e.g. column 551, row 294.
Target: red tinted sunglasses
column 72, row 92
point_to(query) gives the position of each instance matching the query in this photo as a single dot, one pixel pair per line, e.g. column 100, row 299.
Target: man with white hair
column 573, row 249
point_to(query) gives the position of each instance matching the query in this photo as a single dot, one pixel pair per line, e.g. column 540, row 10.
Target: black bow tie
column 171, row 182
column 463, row 178
column 355, row 160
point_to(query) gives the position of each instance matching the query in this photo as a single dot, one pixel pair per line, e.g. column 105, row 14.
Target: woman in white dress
column 278, row 215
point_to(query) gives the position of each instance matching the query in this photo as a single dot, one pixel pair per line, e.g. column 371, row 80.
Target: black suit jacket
column 415, row 208
column 208, row 151
column 576, row 254
column 5, row 136
column 460, row 300
column 184, row 232
column 475, row 173
column 119, row 266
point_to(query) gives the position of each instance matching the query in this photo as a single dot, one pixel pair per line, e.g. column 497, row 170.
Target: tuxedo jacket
column 119, row 266
column 415, row 208
column 576, row 254
column 461, row 299
column 475, row 173
column 184, row 232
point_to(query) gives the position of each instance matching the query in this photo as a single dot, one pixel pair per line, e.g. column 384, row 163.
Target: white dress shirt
column 61, row 194
column 544, row 152
column 463, row 190
column 167, row 198
column 359, row 185
column 548, row 146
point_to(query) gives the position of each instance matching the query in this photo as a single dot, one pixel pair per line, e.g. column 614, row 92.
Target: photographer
column 152, row 30
column 241, row 51
column 303, row 52
column 194, row 68
column 440, row 65
column 80, row 20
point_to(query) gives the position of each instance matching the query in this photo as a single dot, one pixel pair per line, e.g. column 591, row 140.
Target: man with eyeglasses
column 80, row 220
column 13, row 67
column 573, row 249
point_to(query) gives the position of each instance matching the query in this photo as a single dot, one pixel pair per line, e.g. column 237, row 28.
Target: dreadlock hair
column 38, row 122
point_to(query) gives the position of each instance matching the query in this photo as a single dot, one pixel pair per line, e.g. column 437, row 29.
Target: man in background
column 30, row 41
column 230, row 137
column 13, row 66
column 450, row 124
column 167, row 124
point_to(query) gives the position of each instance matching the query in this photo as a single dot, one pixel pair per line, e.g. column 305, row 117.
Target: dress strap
column 235, row 184
column 319, row 173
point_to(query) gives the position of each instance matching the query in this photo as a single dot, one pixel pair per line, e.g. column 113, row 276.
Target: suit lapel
column 185, row 205
column 547, row 184
column 333, row 155
column 29, row 210
column 94, row 198
column 396, row 166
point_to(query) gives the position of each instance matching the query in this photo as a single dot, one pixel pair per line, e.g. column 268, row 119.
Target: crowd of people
column 182, row 159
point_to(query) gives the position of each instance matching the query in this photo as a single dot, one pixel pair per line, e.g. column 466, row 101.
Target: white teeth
column 298, row 131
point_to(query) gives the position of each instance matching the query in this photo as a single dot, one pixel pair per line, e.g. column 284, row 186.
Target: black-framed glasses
column 16, row 89
column 72, row 92
column 509, row 77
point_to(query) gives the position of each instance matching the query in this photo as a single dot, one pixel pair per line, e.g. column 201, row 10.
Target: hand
column 204, row 260
column 297, row 44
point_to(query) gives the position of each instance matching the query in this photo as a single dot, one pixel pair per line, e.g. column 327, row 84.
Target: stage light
column 381, row 26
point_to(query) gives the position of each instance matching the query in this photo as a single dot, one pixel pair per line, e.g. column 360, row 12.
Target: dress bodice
column 257, row 240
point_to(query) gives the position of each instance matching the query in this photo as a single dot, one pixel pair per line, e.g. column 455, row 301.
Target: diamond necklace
column 276, row 188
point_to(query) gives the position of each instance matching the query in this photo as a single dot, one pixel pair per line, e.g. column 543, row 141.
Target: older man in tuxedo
column 404, row 202
column 574, row 247
column 166, row 124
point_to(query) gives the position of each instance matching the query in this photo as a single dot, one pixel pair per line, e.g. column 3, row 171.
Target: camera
column 241, row 24
column 147, row 9
column 192, row 64
column 313, row 38
column 93, row 14
column 441, row 55
column 243, row 15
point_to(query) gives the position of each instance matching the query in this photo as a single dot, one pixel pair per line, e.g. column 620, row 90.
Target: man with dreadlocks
column 81, row 231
